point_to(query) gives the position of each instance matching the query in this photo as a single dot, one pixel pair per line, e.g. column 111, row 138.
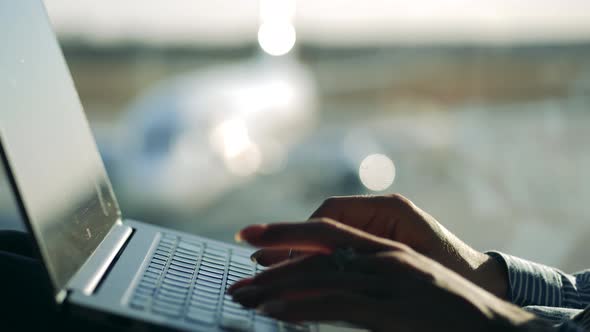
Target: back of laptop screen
column 60, row 179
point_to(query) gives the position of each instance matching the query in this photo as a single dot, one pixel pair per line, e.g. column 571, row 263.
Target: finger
column 329, row 307
column 297, row 266
column 316, row 284
column 344, row 207
column 397, row 266
column 322, row 235
column 268, row 257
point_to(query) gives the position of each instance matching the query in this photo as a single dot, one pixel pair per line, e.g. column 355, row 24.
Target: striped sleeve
column 569, row 326
column 533, row 284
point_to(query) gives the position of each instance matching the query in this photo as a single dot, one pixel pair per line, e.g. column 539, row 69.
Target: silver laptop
column 102, row 266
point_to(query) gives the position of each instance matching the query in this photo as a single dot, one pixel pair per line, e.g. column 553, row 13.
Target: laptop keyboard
column 187, row 280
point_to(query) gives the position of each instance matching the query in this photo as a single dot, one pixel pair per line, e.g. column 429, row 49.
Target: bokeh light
column 377, row 172
column 276, row 38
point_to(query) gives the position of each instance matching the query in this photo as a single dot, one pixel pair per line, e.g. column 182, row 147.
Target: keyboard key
column 206, row 283
column 232, row 304
column 241, row 260
column 199, row 315
column 293, row 327
column 234, row 278
column 137, row 298
column 189, row 246
column 175, row 284
column 165, row 310
column 138, row 305
column 242, row 315
column 213, row 267
column 183, row 262
column 203, row 305
column 164, row 251
column 264, row 319
column 191, row 257
column 203, row 272
column 159, row 261
column 161, row 257
column 167, row 242
column 199, row 296
column 236, row 323
column 181, row 274
column 181, row 279
column 207, row 301
column 146, row 288
column 190, row 261
column 184, row 265
column 235, row 311
column 172, row 301
column 214, row 291
column 144, row 291
column 152, row 275
column 246, row 270
column 237, row 274
column 202, row 276
column 180, row 269
column 188, row 253
column 265, row 327
column 216, row 251
column 157, row 264
column 154, row 269
column 245, row 253
column 173, row 293
column 213, row 260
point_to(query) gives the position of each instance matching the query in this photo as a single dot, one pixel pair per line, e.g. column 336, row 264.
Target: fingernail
column 250, row 232
column 271, row 307
column 238, row 237
column 254, row 258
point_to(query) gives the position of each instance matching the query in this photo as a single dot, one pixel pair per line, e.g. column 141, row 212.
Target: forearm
column 508, row 317
column 477, row 267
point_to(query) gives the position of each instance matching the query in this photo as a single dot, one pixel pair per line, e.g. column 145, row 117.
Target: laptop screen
column 61, row 182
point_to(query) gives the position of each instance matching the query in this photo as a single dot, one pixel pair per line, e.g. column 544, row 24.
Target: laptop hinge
column 93, row 271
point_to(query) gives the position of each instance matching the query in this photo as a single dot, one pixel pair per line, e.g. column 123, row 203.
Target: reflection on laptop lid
column 63, row 188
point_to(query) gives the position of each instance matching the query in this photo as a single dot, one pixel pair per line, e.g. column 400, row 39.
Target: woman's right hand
column 396, row 218
column 368, row 281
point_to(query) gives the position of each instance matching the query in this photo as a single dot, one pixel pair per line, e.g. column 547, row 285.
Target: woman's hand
column 383, row 285
column 396, row 218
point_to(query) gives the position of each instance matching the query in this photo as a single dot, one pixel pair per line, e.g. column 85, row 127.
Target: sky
column 337, row 22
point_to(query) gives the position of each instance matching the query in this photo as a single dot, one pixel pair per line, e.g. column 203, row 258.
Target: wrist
column 491, row 275
column 479, row 268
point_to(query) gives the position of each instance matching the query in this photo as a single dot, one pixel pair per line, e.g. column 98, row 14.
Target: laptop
column 121, row 272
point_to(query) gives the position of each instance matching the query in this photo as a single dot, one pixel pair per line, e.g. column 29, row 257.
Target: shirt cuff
column 531, row 283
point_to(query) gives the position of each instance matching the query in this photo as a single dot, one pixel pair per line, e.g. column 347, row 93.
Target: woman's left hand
column 382, row 285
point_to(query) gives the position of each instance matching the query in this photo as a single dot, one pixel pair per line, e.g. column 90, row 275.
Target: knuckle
column 399, row 198
column 400, row 202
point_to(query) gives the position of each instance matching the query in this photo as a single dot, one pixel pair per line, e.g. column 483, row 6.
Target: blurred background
column 211, row 115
